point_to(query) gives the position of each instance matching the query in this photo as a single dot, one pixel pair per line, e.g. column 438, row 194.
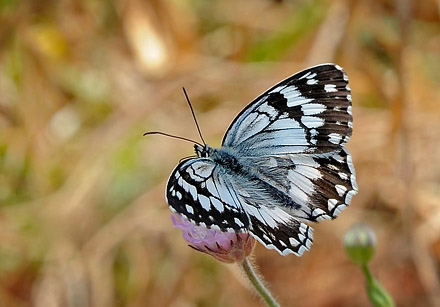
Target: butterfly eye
column 201, row 151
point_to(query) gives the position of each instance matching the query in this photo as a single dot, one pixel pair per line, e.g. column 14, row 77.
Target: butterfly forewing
column 309, row 112
column 283, row 161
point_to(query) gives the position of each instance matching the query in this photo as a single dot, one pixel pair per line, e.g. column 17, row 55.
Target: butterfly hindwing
column 210, row 195
column 196, row 191
column 320, row 186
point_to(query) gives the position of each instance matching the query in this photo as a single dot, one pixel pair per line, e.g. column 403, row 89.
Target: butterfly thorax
column 223, row 156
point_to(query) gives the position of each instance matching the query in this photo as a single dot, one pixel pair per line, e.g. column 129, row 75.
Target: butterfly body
column 282, row 161
column 231, row 163
column 223, row 156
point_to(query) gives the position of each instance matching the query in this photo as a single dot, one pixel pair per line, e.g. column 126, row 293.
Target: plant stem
column 367, row 273
column 257, row 282
column 377, row 293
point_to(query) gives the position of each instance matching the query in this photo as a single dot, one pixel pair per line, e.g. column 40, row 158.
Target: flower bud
column 224, row 246
column 360, row 243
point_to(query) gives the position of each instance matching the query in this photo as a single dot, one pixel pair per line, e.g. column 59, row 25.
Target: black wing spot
column 278, row 101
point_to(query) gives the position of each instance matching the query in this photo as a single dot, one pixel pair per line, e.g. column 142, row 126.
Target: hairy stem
column 257, row 283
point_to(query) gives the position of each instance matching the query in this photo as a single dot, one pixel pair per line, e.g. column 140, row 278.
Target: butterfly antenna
column 172, row 136
column 194, row 116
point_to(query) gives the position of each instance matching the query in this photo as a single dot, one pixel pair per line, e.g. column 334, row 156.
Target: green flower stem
column 367, row 273
column 256, row 281
column 377, row 293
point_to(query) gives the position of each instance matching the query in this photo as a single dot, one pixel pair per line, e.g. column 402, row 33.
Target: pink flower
column 224, row 246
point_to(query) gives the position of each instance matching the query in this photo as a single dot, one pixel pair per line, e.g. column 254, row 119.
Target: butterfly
column 283, row 162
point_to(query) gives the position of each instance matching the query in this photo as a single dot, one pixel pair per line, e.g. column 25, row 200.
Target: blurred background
column 83, row 219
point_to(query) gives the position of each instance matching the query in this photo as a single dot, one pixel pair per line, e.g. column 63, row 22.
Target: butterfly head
column 202, row 151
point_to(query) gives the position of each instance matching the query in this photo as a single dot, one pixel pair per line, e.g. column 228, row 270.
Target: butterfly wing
column 318, row 186
column 294, row 135
column 309, row 112
column 208, row 194
column 197, row 191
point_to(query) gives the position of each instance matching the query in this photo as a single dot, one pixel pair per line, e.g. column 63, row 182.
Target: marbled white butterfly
column 282, row 161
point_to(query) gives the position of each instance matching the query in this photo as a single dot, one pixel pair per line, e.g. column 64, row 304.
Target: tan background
column 83, row 220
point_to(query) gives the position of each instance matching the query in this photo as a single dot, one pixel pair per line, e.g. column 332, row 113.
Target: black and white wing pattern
column 309, row 112
column 214, row 196
column 295, row 133
column 283, row 161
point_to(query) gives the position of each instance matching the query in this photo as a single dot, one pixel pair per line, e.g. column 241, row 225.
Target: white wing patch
column 313, row 108
column 329, row 88
column 312, row 121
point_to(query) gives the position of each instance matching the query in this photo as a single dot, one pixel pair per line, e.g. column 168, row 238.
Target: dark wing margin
column 276, row 229
column 337, row 185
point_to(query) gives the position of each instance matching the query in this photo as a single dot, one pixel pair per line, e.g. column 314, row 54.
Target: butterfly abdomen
column 248, row 173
